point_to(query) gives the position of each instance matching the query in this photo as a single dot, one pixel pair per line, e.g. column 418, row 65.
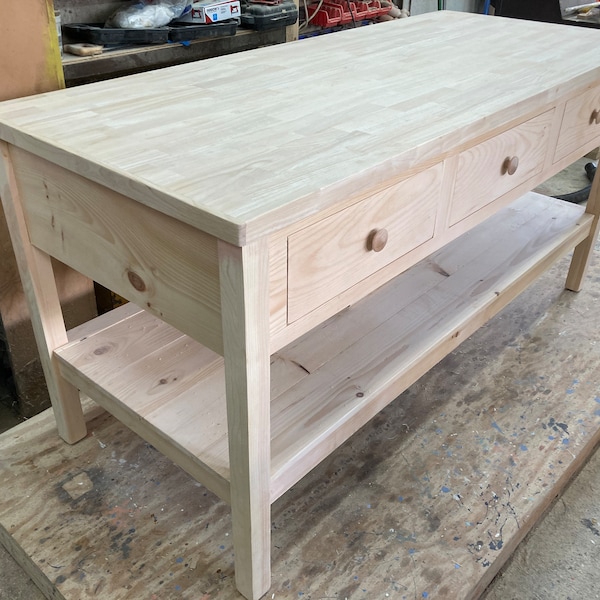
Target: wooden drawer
column 485, row 171
column 580, row 124
column 330, row 256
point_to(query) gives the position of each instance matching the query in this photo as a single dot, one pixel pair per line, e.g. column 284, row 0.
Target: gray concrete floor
column 558, row 560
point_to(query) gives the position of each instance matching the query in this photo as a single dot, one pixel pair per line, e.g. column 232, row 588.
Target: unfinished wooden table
column 265, row 213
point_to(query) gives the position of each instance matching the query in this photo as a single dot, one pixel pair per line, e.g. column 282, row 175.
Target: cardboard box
column 212, row 11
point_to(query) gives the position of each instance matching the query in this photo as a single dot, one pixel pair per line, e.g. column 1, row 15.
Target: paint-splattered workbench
column 303, row 231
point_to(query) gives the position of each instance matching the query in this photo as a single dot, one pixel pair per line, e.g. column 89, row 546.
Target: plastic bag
column 147, row 13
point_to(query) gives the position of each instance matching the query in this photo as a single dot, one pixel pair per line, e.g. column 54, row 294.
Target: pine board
column 430, row 497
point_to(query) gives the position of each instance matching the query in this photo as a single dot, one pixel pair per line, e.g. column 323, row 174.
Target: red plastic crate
column 326, row 16
column 379, row 8
column 346, row 11
column 364, row 9
column 361, row 11
column 370, row 9
column 340, row 12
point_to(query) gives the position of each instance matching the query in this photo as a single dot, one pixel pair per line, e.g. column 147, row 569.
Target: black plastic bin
column 96, row 33
column 184, row 32
column 269, row 16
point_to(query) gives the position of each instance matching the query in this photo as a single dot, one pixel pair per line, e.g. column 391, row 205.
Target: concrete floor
column 558, row 560
column 14, row 582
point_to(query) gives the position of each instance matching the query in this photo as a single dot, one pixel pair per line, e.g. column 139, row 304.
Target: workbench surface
column 244, row 145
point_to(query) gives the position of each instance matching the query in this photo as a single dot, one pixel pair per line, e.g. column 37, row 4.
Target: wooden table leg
column 39, row 284
column 583, row 252
column 245, row 314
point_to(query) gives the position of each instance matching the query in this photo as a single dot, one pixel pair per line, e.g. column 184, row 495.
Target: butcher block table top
column 243, row 145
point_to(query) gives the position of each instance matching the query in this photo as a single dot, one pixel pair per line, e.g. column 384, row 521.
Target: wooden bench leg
column 583, row 252
column 245, row 315
column 37, row 275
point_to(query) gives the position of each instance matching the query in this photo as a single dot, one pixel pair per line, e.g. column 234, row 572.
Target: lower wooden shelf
column 324, row 386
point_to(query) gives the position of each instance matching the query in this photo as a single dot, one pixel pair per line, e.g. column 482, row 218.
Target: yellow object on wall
column 30, row 57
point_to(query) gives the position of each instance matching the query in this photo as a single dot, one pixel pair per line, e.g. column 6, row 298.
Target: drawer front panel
column 580, row 124
column 330, row 256
column 494, row 167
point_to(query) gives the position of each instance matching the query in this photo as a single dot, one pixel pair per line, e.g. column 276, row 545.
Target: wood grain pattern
column 40, row 289
column 163, row 385
column 373, row 361
column 321, row 388
column 244, row 279
column 481, row 177
column 167, row 266
column 577, row 126
column 277, row 284
column 316, row 135
column 333, row 255
column 583, row 253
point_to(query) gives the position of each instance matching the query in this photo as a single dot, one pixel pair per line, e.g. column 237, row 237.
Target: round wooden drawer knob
column 510, row 165
column 595, row 117
column 377, row 240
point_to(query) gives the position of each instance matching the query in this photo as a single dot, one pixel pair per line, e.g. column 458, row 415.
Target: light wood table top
column 244, row 145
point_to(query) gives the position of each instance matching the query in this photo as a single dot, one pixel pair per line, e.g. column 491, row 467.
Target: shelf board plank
column 333, row 336
column 146, row 373
column 162, row 384
column 170, row 390
column 373, row 369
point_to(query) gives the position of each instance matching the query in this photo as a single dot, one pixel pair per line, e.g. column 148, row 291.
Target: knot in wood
column 136, row 281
